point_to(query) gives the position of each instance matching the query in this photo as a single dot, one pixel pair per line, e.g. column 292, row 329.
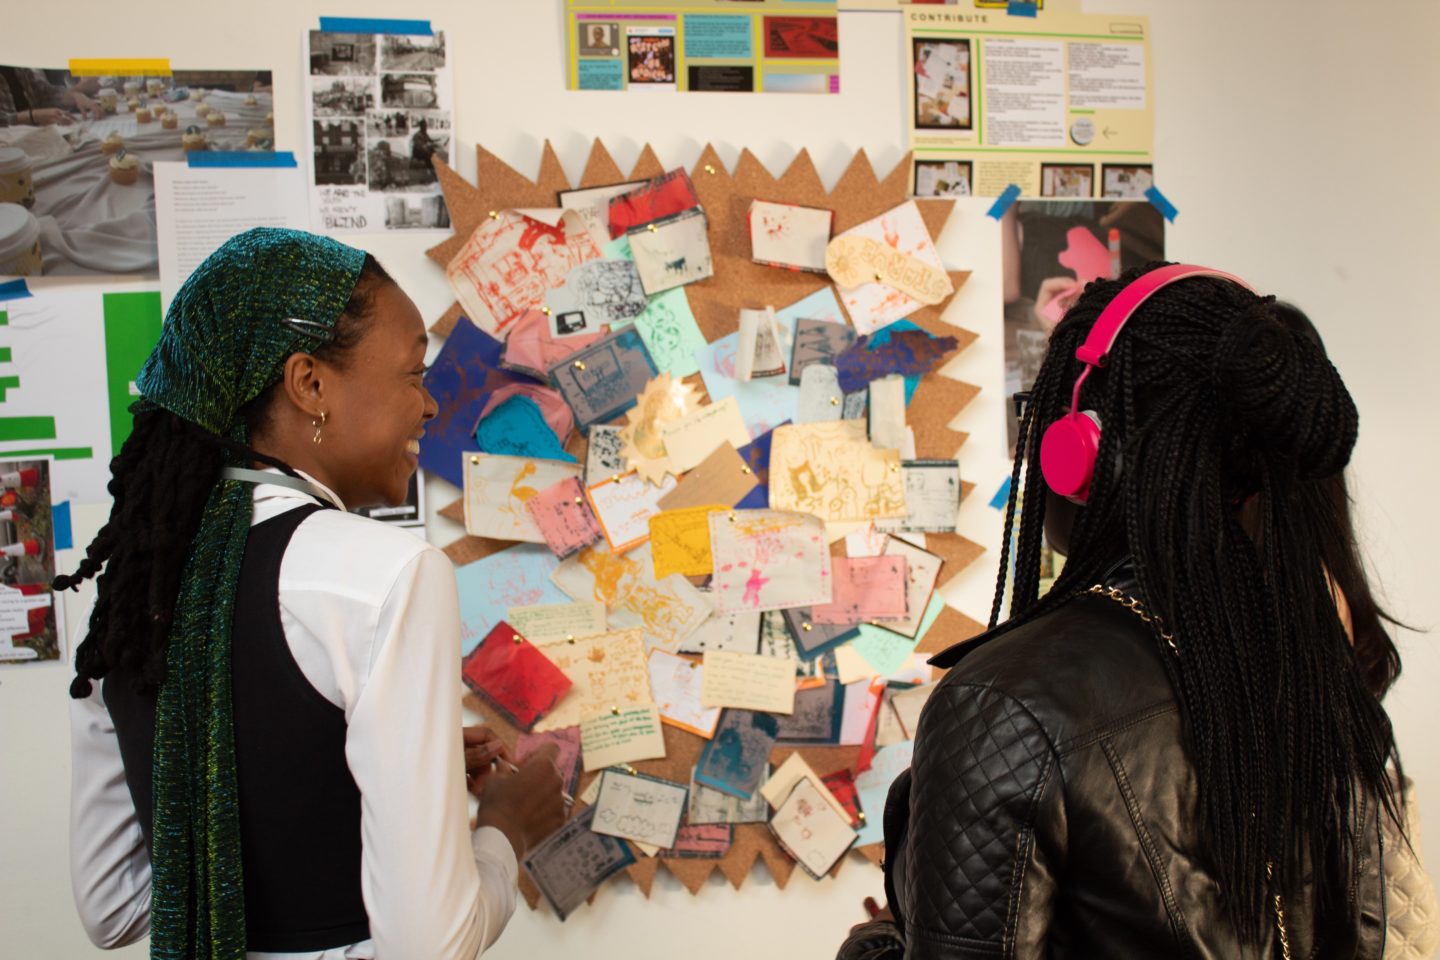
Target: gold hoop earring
column 317, row 424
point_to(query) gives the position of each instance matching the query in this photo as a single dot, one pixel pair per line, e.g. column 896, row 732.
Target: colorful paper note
column 514, row 677
column 885, row 651
column 517, row 428
column 664, row 400
column 897, row 349
column 872, row 305
column 567, row 761
column 624, row 507
column 564, row 517
column 640, row 808
column 656, row 199
column 668, row 609
column 670, row 333
column 489, row 587
column 922, row 570
column 593, row 206
column 558, row 621
column 816, row 717
column 531, row 349
column 572, row 862
column 672, row 252
column 764, row 403
column 759, row 352
column 747, row 682
column 768, row 560
column 626, row 736
column 812, row 638
column 818, row 341
column 680, row 541
column 786, row 235
column 721, row 478
column 831, row 470
column 602, row 381
column 756, row 455
column 711, row 806
column 692, row 438
column 841, row 785
column 675, row 684
column 457, row 379
column 791, row 772
column 932, row 497
column 853, row 261
column 497, row 489
column 604, row 456
column 607, row 672
column 701, row 841
column 866, row 588
column 736, row 760
column 595, row 294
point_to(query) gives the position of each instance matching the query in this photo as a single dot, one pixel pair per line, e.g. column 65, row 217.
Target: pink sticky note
column 866, row 588
column 564, row 517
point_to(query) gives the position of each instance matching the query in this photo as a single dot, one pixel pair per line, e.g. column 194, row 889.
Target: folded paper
column 607, row 672
column 759, row 352
column 656, row 199
column 721, row 478
column 668, row 609
column 786, row 235
column 596, row 293
column 871, row 305
column 932, row 497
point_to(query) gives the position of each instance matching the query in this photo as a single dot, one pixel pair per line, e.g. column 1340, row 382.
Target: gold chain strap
column 1137, row 607
column 1279, row 918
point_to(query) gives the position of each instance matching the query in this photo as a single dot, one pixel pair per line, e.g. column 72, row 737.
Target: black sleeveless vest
column 299, row 806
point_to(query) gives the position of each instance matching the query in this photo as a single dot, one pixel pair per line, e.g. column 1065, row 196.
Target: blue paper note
column 1162, row 203
column 375, row 25
column 518, row 577
column 764, row 403
column 1002, row 496
column 886, row 652
column 517, row 428
column 14, row 290
column 873, row 787
column 756, row 455
column 60, row 525
column 736, row 760
column 900, row 347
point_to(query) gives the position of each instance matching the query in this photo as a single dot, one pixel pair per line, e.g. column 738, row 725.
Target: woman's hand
column 89, row 109
column 47, row 116
column 483, row 747
column 527, row 803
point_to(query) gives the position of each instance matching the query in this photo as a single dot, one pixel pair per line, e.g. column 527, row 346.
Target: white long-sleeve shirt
column 371, row 616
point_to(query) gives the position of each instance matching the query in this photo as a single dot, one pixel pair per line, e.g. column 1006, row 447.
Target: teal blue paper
column 517, row 428
column 668, row 328
column 886, row 652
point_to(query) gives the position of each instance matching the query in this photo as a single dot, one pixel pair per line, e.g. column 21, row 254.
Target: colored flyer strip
column 375, row 25
column 1002, row 202
column 121, row 67
column 1162, row 203
column 14, row 290
column 1002, row 496
column 241, row 158
column 1022, row 8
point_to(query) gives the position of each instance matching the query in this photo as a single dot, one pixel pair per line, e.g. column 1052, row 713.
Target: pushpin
column 579, row 499
column 834, row 401
column 494, row 215
column 710, row 169
column 579, row 364
column 545, row 310
column 806, row 627
column 614, row 711
column 650, row 227
column 516, row 638
column 474, row 459
column 746, row 470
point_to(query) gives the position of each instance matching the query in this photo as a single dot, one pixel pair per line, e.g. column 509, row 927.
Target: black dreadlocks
column 160, row 481
column 1207, row 401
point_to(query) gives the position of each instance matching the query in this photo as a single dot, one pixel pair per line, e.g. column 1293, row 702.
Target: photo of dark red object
column 662, row 197
column 802, row 38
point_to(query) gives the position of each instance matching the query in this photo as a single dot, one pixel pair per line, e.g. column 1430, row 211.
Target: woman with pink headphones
column 1173, row 752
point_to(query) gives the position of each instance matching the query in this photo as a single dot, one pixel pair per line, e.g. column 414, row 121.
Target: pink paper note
column 531, row 349
column 564, row 517
column 866, row 588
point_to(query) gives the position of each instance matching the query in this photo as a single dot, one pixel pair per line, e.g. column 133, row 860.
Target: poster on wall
column 1060, row 105
column 78, row 153
column 1051, row 250
column 29, row 626
column 68, row 361
column 770, row 46
column 379, row 109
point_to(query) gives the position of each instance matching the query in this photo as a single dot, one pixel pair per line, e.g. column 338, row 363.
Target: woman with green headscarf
column 272, row 763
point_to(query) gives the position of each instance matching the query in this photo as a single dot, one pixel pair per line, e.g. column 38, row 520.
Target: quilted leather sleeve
column 1411, row 911
column 986, row 835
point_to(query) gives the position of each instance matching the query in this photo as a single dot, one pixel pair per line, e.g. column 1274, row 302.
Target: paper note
column 854, row 261
column 818, row 341
column 517, row 427
column 872, row 305
column 736, row 759
column 817, row 716
column 667, row 609
column 862, row 699
column 900, row 348
column 873, row 786
column 922, row 569
column 640, row 808
column 697, row 841
column 595, row 294
column 663, row 400
column 510, row 261
column 748, row 682
column 573, row 861
column 786, row 235
column 675, row 684
column 680, row 541
column 811, row 831
column 689, row 440
column 932, row 497
column 888, row 729
column 775, row 640
column 820, row 396
column 764, row 403
column 759, row 352
column 672, row 252
column 866, row 588
column 602, row 381
column 866, row 543
column 514, row 677
column 768, row 560
column 567, row 761
column 841, row 785
column 907, row 706
column 531, row 348
column 558, row 621
column 564, row 517
column 624, row 508
column 811, row 637
column 670, row 333
column 593, row 207
column 624, row 737
column 756, row 455
column 886, row 651
column 496, row 491
column 458, row 380
column 721, row 478
column 489, row 587
column 791, row 772
column 739, row 632
column 608, row 672
column 831, row 470
column 604, row 457
column 656, row 199
column 885, row 412
column 708, row 805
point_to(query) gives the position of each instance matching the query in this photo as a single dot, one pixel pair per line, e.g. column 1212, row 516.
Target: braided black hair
column 1207, row 402
column 160, row 481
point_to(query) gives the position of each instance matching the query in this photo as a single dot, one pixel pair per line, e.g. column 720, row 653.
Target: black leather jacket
column 1050, row 811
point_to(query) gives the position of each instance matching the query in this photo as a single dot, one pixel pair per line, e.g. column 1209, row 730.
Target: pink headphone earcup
column 1067, row 454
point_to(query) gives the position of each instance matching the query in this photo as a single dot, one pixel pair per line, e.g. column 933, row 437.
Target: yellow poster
column 1060, row 105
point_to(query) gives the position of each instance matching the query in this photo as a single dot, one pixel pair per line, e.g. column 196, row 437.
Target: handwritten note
column 866, row 588
column 725, row 631
column 689, row 440
column 670, row 333
column 558, row 621
column 564, row 517
column 497, row 489
column 811, row 830
column 640, row 808
column 791, row 772
column 831, row 470
column 573, row 861
column 680, row 541
column 625, row 737
column 607, row 671
column 624, row 507
column 747, row 681
column 768, row 560
column 675, row 684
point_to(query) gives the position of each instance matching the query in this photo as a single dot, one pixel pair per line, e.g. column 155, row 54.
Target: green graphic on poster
column 132, row 327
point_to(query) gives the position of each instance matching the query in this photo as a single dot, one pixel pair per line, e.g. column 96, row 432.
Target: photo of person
column 942, row 84
column 416, row 91
column 412, row 52
column 599, row 39
column 27, row 562
column 652, row 58
column 403, row 164
column 1127, row 181
column 78, row 154
column 339, row 152
column 342, row 54
column 404, row 212
column 942, row 178
column 344, row 97
column 1067, row 180
column 1033, row 235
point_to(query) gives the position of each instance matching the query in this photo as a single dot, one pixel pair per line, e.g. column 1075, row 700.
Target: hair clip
column 310, row 328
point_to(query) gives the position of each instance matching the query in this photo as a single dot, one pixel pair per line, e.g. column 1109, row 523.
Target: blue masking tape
column 14, row 290
column 1002, row 496
column 1002, row 202
column 1161, row 203
column 374, row 25
column 1021, row 8
column 241, row 158
column 60, row 525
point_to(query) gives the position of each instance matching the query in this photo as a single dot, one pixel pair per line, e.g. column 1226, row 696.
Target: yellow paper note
column 791, row 772
column 621, row 737
column 831, row 470
column 689, row 440
column 851, row 666
column 748, row 682
column 855, row 260
column 680, row 541
column 608, row 671
column 557, row 621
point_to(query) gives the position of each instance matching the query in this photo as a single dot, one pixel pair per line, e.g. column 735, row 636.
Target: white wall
column 1297, row 140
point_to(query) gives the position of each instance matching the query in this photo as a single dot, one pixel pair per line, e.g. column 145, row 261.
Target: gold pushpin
column 569, row 638
column 745, row 470
column 650, row 227
column 579, row 364
column 579, row 499
column 494, row 215
column 615, row 478
column 732, row 518
column 474, row 459
column 709, row 169
column 894, row 468
column 834, row 401
column 861, row 814
column 694, row 664
column 545, row 310
column 614, row 711
column 516, row 638
column 806, row 627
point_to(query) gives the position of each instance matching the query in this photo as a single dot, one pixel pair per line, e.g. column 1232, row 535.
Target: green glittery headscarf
column 261, row 297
